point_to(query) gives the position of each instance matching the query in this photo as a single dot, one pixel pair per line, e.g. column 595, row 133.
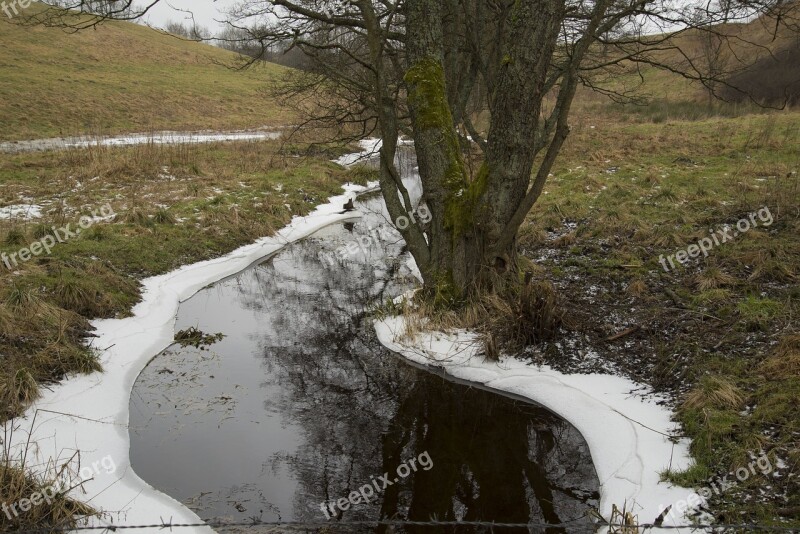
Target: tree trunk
column 470, row 214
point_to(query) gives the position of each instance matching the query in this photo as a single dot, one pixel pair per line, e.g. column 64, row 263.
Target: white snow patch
column 98, row 404
column 21, row 211
column 369, row 148
column 625, row 432
column 171, row 138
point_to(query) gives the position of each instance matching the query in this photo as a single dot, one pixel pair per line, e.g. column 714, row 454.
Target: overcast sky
column 205, row 12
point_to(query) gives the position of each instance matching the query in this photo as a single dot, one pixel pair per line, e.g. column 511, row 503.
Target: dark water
column 299, row 405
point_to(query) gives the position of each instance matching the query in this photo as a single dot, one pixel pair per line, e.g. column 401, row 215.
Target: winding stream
column 299, row 404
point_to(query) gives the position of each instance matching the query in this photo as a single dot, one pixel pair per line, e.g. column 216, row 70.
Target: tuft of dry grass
column 17, row 390
column 14, row 236
column 41, row 343
column 565, row 240
column 531, row 235
column 490, row 349
column 637, row 287
column 714, row 392
column 163, row 216
column 785, row 361
column 712, row 278
column 520, row 315
column 18, row 482
column 138, row 216
column 538, row 315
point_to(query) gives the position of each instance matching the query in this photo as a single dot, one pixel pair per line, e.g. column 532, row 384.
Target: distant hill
column 773, row 79
column 122, row 77
column 761, row 57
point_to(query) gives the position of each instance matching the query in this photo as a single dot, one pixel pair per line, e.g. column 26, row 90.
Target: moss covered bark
column 427, row 96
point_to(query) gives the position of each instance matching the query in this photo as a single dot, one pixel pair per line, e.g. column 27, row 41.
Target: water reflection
column 300, row 405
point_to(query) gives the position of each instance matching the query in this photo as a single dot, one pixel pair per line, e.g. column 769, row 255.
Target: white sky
column 205, row 12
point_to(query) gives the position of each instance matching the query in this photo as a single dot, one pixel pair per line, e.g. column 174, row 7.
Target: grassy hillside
column 744, row 54
column 123, row 77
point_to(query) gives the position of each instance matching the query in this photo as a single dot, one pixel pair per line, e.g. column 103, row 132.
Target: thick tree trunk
column 516, row 108
column 444, row 177
column 470, row 214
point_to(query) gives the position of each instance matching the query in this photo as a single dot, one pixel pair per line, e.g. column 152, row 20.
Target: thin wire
column 334, row 525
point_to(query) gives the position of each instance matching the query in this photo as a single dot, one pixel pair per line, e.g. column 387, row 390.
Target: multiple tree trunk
column 475, row 218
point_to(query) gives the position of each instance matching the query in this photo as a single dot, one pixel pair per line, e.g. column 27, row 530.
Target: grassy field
column 718, row 334
column 123, row 77
column 173, row 205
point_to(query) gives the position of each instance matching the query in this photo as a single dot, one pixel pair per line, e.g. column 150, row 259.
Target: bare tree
column 177, row 28
column 194, row 31
column 107, row 7
column 418, row 67
column 714, row 52
column 101, row 8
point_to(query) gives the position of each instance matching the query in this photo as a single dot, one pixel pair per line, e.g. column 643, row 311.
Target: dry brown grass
column 785, row 361
column 34, row 333
column 712, row 278
column 19, row 389
column 714, row 392
column 131, row 77
column 532, row 235
column 55, row 479
column 637, row 287
column 519, row 316
column 565, row 240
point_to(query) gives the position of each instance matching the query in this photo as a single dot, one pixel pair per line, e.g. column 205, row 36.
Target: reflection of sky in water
column 299, row 404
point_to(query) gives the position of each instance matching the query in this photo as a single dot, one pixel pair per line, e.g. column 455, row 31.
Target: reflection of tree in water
column 495, row 459
column 364, row 412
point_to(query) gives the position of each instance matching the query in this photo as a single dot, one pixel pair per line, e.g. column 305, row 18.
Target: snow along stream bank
column 626, row 433
column 152, row 138
column 93, row 410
